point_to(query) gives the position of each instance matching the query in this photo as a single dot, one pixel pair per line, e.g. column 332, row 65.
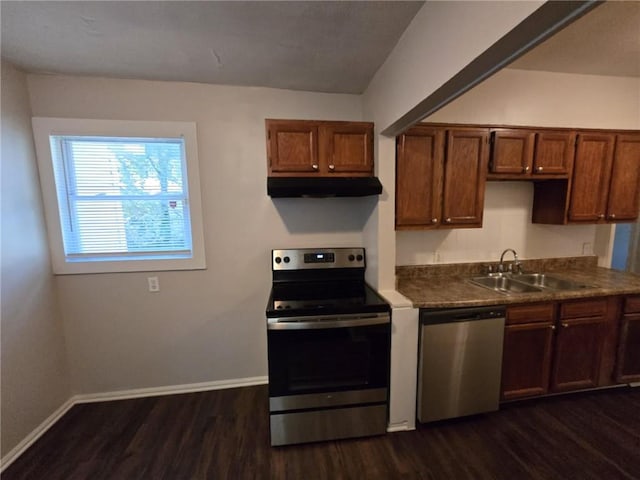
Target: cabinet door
column 526, row 359
column 628, row 366
column 624, row 189
column 292, row 147
column 465, row 174
column 419, row 178
column 511, row 151
column 591, row 176
column 554, row 153
column 578, row 350
column 348, row 148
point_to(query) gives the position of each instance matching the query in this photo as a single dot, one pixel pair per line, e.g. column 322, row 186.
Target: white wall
column 442, row 39
column 520, row 97
column 35, row 381
column 203, row 325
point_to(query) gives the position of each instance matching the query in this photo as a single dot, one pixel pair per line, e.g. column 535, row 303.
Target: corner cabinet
column 440, row 177
column 309, row 148
column 628, row 365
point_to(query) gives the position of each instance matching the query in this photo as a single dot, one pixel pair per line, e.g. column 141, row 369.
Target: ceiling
column 605, row 41
column 301, row 45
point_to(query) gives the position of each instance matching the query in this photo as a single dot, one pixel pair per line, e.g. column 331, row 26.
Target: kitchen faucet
column 516, row 267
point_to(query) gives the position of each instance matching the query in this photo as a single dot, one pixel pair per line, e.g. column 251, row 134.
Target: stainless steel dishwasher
column 460, row 361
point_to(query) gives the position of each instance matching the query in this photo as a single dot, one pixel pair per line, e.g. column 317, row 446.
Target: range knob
column 359, row 258
column 278, row 260
column 286, row 259
column 352, row 258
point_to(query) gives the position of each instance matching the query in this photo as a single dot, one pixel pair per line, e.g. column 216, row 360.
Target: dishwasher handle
column 429, row 316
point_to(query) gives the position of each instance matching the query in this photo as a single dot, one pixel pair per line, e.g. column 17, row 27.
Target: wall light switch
column 154, row 284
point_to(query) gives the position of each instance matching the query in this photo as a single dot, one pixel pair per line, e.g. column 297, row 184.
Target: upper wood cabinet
column 624, row 189
column 440, row 177
column 606, row 179
column 527, row 154
column 604, row 188
column 591, row 177
column 309, row 148
column 419, row 167
column 465, row 174
column 511, row 151
column 579, row 175
column 554, row 153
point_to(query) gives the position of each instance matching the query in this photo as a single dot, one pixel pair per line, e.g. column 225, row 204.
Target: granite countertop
column 442, row 286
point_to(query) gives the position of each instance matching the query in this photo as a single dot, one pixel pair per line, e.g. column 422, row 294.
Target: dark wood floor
column 224, row 434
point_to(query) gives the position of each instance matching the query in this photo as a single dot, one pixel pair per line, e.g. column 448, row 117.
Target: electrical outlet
column 154, row 284
column 587, row 248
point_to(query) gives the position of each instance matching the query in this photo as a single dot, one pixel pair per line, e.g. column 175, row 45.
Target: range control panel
column 317, row 258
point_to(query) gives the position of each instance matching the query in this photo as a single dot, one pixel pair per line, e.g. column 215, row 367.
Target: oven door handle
column 339, row 321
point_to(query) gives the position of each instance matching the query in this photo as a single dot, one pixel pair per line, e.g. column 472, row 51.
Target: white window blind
column 123, row 202
column 122, row 197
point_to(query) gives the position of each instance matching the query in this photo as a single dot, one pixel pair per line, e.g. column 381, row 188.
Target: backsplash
column 480, row 268
column 506, row 224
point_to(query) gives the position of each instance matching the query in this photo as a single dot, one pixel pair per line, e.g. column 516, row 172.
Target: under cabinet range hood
column 280, row 187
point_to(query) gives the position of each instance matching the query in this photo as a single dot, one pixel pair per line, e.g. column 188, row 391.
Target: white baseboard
column 400, row 427
column 37, row 432
column 169, row 390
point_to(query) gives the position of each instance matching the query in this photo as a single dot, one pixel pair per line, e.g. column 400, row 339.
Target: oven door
column 336, row 354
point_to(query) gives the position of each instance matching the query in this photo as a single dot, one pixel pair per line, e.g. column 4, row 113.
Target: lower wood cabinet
column 578, row 345
column 526, row 359
column 528, row 340
column 550, row 347
column 628, row 365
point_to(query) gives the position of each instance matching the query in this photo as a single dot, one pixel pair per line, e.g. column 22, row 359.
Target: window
column 120, row 196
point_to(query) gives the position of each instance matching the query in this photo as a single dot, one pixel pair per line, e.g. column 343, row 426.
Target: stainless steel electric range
column 329, row 337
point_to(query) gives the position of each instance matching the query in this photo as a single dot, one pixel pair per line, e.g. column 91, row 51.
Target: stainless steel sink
column 504, row 284
column 543, row 280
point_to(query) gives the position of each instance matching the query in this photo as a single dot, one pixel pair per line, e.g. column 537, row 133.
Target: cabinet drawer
column 632, row 305
column 536, row 312
column 584, row 308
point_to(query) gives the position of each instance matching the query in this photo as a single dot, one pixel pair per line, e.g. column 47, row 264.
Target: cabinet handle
column 539, row 169
column 612, row 216
column 526, row 169
column 565, row 325
column 332, row 167
column 447, row 220
column 601, row 215
column 314, row 166
column 434, row 220
column 552, row 327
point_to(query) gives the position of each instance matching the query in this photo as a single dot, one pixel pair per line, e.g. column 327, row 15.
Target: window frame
column 46, row 127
